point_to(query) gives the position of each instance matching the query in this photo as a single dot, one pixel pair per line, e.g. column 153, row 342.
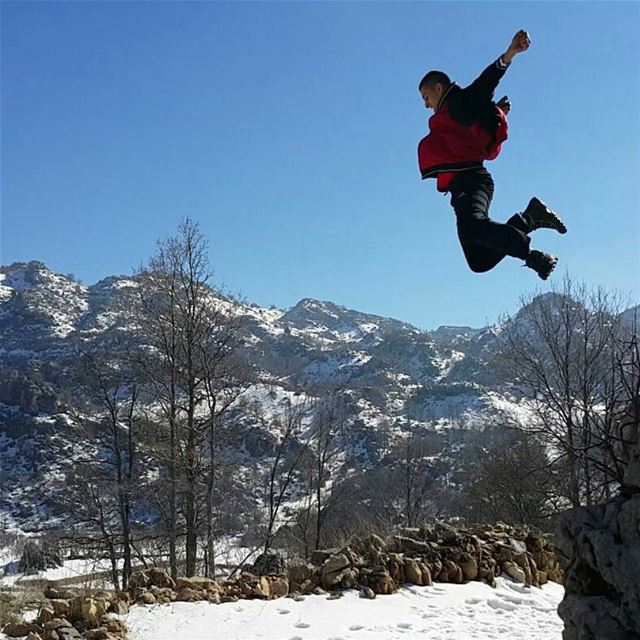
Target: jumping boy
column 466, row 129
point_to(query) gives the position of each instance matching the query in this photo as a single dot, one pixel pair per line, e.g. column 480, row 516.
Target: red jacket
column 466, row 129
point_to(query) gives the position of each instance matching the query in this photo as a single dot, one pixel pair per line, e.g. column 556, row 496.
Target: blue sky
column 288, row 130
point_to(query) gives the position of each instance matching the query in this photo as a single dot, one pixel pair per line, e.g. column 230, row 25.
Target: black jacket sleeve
column 472, row 101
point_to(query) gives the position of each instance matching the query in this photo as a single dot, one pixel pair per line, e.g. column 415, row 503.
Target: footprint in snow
column 283, row 611
column 473, row 601
column 501, row 605
column 520, row 588
column 356, row 627
column 404, row 625
column 301, row 625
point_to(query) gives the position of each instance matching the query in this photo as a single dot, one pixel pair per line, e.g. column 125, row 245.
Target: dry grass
column 15, row 603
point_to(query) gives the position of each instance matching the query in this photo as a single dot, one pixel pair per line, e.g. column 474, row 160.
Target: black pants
column 484, row 241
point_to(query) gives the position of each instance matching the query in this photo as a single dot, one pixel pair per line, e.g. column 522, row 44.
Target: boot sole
column 548, row 273
column 551, row 219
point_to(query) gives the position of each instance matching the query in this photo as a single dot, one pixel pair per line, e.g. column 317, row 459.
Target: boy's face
column 432, row 95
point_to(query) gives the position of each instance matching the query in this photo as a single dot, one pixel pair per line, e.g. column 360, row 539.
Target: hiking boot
column 538, row 216
column 542, row 263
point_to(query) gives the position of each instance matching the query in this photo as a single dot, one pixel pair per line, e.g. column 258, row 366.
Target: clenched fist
column 521, row 42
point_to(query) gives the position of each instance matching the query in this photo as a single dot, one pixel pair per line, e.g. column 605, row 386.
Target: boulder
column 278, row 587
column 469, row 566
column 139, row 579
column 413, row 572
column 158, row 577
column 332, row 569
column 269, row 563
column 20, row 629
column 301, row 572
column 600, row 548
column 514, row 572
column 47, row 613
column 190, row 595
column 367, row 593
column 146, row 598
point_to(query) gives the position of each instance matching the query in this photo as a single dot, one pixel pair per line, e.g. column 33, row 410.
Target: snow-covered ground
column 455, row 612
column 71, row 569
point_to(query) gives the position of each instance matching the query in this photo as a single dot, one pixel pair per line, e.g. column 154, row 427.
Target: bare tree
column 558, row 351
column 107, row 405
column 418, row 477
column 318, row 466
column 507, row 476
column 283, row 462
column 192, row 337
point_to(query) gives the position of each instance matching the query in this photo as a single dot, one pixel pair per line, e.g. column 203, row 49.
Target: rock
column 47, row 613
column 197, row 583
column 227, row 599
column 367, row 593
column 146, row 598
column 158, row 577
column 301, row 572
column 426, row 574
column 119, row 607
column 61, row 594
column 61, row 609
column 413, row 572
column 57, row 623
column 189, row 595
column 381, row 582
column 113, row 625
column 600, row 548
column 97, row 634
column 403, row 544
column 88, row 610
column 262, row 588
column 278, row 587
column 446, row 533
column 69, row 633
column 514, row 572
column 270, row 563
column 34, row 636
column 332, row 569
column 163, row 596
column 354, row 558
column 139, row 579
column 518, row 546
column 469, row 566
column 20, row 629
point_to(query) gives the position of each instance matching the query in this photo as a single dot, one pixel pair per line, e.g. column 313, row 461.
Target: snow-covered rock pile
column 600, row 547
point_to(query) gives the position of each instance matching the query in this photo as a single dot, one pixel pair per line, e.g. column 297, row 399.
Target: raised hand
column 521, row 42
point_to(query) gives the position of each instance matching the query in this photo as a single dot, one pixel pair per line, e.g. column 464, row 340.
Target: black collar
column 445, row 95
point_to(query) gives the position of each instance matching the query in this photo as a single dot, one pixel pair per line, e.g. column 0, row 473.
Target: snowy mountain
column 393, row 374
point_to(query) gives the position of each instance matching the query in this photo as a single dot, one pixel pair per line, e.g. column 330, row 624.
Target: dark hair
column 434, row 77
